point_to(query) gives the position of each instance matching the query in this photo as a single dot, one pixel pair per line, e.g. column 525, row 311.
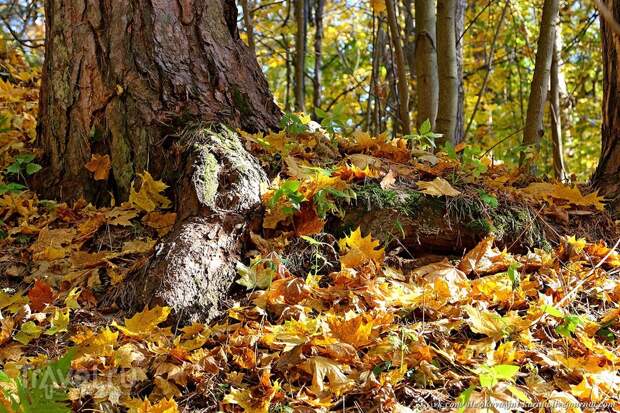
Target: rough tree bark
column 533, row 131
column 607, row 175
column 125, row 79
column 426, row 62
column 401, row 70
column 447, row 70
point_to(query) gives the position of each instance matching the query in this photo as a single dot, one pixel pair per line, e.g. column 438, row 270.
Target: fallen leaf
column 100, row 166
column 388, row 180
column 40, row 295
column 359, row 250
column 149, row 197
column 144, row 323
column 438, row 187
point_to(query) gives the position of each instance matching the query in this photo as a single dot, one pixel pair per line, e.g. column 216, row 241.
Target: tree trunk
column 300, row 54
column 401, row 69
column 607, row 175
column 556, row 112
column 534, row 131
column 459, row 132
column 131, row 80
column 409, row 37
column 318, row 55
column 426, row 62
column 447, row 70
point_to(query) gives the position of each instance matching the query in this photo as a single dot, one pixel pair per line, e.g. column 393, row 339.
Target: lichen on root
column 218, row 198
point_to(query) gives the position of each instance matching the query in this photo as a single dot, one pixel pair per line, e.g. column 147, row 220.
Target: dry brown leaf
column 438, row 187
column 388, row 180
column 40, row 295
column 100, row 166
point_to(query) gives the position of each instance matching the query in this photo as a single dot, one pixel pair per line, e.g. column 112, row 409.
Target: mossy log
column 414, row 222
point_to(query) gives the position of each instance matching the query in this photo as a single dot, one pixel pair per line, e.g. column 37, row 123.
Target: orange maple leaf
column 40, row 295
column 99, row 165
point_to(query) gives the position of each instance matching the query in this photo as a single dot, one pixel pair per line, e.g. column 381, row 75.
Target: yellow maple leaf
column 144, row 323
column 378, row 5
column 488, row 323
column 548, row 192
column 145, row 406
column 149, row 197
column 120, row 216
column 323, row 369
column 438, row 187
column 159, row 221
column 138, row 246
column 587, row 390
column 360, row 250
column 257, row 401
column 353, row 329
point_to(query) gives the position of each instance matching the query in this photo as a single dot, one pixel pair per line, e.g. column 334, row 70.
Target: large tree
column 607, row 175
column 148, row 83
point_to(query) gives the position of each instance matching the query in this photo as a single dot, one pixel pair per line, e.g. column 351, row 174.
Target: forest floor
column 346, row 301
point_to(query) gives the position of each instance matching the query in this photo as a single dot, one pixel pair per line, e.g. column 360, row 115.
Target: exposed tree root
column 218, row 196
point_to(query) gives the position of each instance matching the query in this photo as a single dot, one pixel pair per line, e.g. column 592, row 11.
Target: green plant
column 569, row 322
column 293, row 124
column 289, row 190
column 513, row 274
column 11, row 187
column 23, row 166
column 335, row 120
column 325, row 201
column 472, row 159
column 488, row 378
column 425, row 138
column 490, row 200
column 43, row 390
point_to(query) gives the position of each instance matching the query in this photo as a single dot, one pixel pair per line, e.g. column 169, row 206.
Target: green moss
column 506, row 222
column 373, row 197
column 209, row 170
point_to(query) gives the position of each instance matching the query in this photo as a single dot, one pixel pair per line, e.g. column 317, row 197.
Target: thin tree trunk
column 409, row 37
column 426, row 62
column 459, row 133
column 288, row 74
column 534, row 131
column 447, row 70
column 607, row 175
column 300, row 54
column 401, row 70
column 373, row 78
column 118, row 82
column 249, row 25
column 556, row 118
column 318, row 55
